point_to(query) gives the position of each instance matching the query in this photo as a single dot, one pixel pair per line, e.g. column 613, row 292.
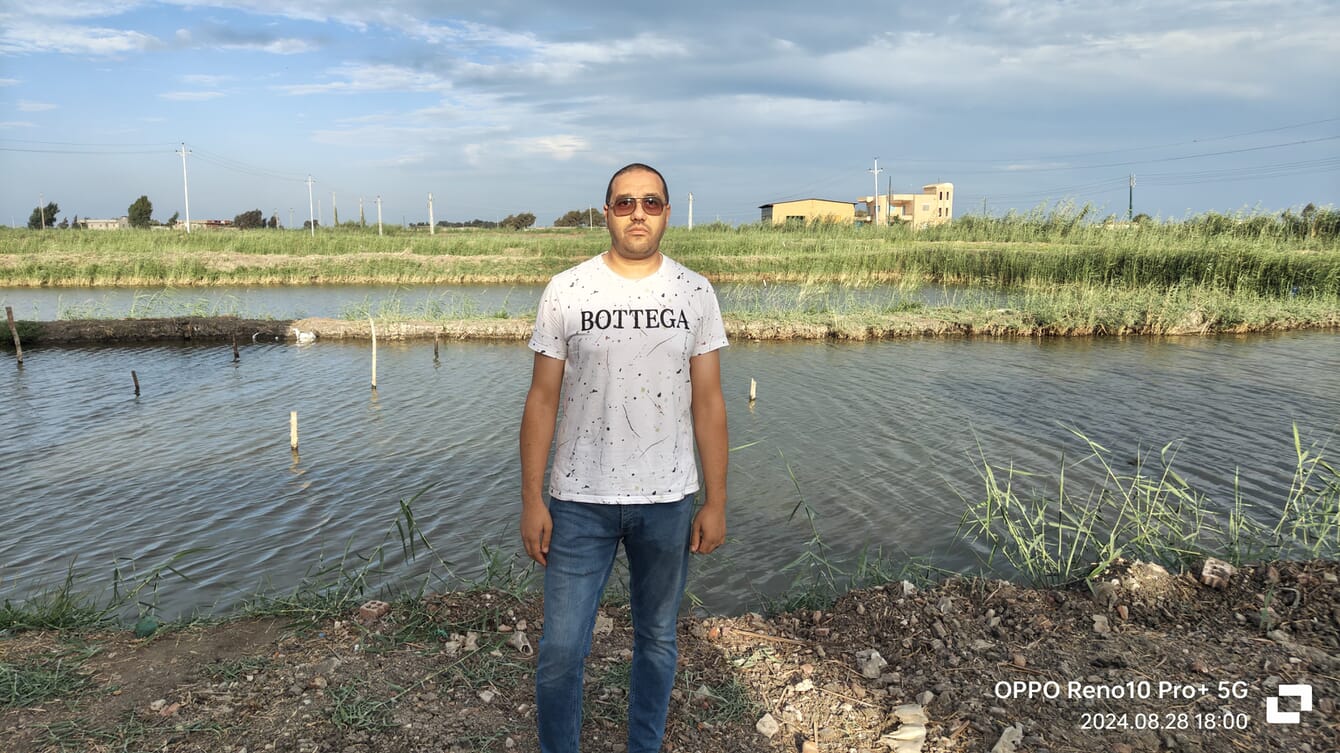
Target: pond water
column 881, row 441
column 428, row 301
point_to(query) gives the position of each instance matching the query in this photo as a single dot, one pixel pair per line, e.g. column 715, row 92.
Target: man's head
column 637, row 210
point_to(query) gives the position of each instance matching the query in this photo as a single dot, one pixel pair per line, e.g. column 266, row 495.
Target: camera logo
column 1304, row 695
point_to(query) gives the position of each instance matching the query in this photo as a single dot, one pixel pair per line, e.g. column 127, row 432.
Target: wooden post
column 13, row 330
column 436, row 336
column 236, row 356
column 374, row 352
column 293, row 430
column 136, row 378
column 753, row 390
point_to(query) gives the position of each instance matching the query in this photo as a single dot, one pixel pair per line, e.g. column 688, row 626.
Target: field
column 1201, row 275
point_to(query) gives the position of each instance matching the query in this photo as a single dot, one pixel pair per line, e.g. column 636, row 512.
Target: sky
column 501, row 107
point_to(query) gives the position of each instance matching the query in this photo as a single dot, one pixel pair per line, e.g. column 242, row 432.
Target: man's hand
column 536, row 528
column 709, row 529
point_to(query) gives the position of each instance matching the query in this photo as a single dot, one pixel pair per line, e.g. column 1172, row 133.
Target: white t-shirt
column 625, row 430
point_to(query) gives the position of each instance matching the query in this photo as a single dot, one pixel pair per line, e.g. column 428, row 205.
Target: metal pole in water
column 14, row 330
column 753, row 390
column 293, row 430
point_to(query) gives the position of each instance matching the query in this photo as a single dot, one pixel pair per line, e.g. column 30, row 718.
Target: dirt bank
column 1002, row 323
column 1146, row 662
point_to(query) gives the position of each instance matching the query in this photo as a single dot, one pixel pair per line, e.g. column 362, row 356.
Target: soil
column 1142, row 661
column 842, row 327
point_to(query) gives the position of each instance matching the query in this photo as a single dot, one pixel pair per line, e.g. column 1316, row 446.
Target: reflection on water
column 881, row 440
column 433, row 301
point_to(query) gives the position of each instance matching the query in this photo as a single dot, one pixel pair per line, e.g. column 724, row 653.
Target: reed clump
column 1149, row 512
column 1245, row 253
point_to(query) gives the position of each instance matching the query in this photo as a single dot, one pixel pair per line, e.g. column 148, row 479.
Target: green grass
column 1148, row 512
column 80, row 735
column 31, row 683
column 1248, row 253
column 353, row 707
column 722, row 703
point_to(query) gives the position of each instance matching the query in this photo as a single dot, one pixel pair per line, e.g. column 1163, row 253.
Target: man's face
column 637, row 236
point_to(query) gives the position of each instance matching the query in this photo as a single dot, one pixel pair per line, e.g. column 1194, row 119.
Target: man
column 628, row 342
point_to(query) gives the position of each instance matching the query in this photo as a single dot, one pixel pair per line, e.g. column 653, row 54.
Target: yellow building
column 117, row 224
column 805, row 211
column 933, row 206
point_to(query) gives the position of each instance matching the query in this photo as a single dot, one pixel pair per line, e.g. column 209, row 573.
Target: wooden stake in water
column 436, row 336
column 293, row 430
column 136, row 378
column 236, row 357
column 374, row 352
column 14, row 330
column 753, row 390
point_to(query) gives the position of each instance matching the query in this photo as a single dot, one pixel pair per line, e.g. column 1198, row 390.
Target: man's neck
column 633, row 269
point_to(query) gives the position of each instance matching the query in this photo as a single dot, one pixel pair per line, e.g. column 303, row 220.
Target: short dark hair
column 609, row 190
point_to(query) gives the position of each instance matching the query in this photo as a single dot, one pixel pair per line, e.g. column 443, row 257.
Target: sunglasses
column 625, row 205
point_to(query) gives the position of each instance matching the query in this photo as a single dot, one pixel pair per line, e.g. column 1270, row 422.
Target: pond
column 431, row 301
column 882, row 442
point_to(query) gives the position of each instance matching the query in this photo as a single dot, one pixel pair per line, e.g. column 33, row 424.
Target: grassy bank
column 1002, row 253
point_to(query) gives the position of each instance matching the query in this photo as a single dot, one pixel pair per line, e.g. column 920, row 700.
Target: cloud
column 371, row 78
column 28, row 38
column 561, row 147
column 27, row 106
column 191, row 96
column 17, row 124
column 225, row 37
column 206, row 80
column 9, row 82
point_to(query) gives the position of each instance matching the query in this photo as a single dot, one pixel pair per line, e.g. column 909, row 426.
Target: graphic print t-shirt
column 625, row 429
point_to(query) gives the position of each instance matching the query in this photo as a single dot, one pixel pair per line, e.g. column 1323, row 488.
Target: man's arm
column 709, row 429
column 537, row 434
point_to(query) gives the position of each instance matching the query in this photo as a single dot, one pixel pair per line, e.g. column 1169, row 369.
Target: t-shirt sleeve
column 548, row 338
column 711, row 334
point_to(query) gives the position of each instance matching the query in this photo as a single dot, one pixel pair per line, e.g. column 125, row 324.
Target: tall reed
column 1150, row 513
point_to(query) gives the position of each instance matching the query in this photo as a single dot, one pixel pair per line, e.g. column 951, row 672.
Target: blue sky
column 505, row 107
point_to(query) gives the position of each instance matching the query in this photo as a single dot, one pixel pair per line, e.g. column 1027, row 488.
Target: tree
column 46, row 217
column 274, row 221
column 172, row 221
column 582, row 218
column 249, row 220
column 141, row 212
column 518, row 221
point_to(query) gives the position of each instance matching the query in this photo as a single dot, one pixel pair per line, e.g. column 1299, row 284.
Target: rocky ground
column 1146, row 661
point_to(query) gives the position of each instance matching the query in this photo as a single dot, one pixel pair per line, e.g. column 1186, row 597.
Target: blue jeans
column 581, row 554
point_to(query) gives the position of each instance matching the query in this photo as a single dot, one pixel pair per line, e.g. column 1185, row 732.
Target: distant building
column 805, row 211
column 933, row 206
column 117, row 224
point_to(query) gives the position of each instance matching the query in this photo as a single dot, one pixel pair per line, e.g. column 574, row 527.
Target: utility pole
column 311, row 212
column 379, row 214
column 690, row 210
column 1130, row 199
column 362, row 221
column 874, row 197
column 334, row 211
column 431, row 223
column 185, row 186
